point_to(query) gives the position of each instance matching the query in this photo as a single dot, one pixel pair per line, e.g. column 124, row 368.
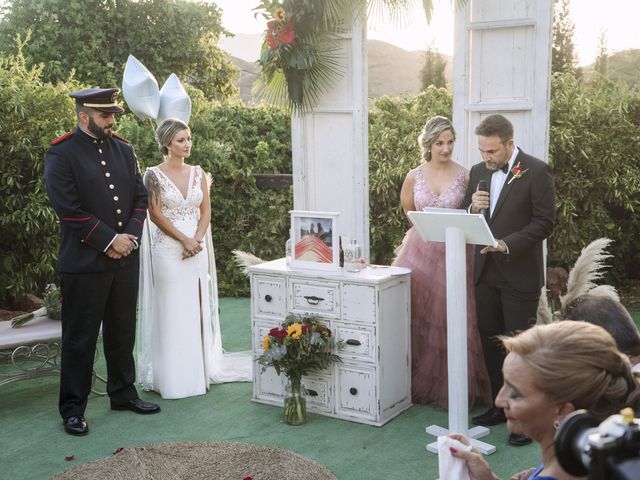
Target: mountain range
column 392, row 70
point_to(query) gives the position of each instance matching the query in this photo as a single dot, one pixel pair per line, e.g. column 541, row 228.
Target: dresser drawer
column 356, row 391
column 260, row 330
column 359, row 342
column 318, row 392
column 358, row 303
column 267, row 386
column 269, row 296
column 313, row 297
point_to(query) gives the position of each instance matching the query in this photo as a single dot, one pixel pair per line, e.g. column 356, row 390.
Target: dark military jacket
column 96, row 190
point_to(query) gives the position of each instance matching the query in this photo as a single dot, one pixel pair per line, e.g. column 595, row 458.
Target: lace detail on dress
column 452, row 197
column 176, row 208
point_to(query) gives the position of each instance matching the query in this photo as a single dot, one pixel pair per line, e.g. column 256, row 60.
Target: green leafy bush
column 31, row 115
column 594, row 152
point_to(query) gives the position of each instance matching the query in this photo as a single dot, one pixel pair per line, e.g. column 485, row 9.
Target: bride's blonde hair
column 165, row 132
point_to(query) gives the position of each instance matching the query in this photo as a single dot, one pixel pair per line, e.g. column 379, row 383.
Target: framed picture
column 314, row 240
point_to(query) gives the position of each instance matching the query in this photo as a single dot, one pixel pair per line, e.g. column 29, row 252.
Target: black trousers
column 90, row 299
column 501, row 310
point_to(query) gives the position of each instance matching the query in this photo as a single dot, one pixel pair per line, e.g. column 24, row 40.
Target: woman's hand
column 478, row 467
column 192, row 247
column 523, row 475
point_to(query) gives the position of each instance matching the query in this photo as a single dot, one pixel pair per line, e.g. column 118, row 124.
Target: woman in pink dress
column 438, row 182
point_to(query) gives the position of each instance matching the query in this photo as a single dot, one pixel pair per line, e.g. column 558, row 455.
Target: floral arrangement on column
column 300, row 58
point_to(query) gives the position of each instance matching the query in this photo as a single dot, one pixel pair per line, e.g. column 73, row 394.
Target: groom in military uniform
column 95, row 188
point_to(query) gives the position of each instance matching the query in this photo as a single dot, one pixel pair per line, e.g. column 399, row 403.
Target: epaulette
column 120, row 138
column 61, row 138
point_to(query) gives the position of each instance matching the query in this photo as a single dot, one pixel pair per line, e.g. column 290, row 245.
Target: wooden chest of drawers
column 369, row 311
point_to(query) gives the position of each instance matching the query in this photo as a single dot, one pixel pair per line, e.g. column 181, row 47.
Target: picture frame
column 314, row 240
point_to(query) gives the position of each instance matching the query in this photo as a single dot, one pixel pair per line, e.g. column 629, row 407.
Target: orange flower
column 266, row 343
column 279, row 14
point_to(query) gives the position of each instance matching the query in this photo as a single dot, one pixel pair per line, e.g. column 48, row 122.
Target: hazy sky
column 617, row 18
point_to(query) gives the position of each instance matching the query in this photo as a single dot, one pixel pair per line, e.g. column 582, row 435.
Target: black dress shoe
column 491, row 417
column 137, row 406
column 76, row 425
column 519, row 440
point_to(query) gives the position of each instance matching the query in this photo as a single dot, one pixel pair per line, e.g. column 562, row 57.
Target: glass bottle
column 341, row 252
column 352, row 253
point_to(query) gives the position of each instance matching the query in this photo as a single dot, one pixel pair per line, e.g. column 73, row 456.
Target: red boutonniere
column 517, row 173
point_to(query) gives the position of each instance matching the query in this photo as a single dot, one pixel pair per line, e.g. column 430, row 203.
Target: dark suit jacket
column 96, row 190
column 523, row 217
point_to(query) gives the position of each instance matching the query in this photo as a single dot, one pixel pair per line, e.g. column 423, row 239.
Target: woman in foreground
column 550, row 371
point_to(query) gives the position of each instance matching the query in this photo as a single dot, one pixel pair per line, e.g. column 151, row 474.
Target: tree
column 562, row 49
column 600, row 64
column 432, row 72
column 93, row 38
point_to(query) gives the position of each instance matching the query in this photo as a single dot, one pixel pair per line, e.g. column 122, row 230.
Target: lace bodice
column 452, row 197
column 174, row 206
column 183, row 212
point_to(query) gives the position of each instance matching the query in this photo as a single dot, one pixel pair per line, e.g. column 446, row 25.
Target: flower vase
column 295, row 405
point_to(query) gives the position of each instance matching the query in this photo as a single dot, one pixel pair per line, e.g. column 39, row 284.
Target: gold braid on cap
column 100, row 105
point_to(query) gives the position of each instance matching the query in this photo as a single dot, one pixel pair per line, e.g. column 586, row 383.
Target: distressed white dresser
column 369, row 311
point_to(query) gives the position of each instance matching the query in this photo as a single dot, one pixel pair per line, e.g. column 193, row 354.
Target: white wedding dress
column 179, row 341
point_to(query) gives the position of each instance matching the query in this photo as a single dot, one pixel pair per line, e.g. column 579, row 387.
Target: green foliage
column 595, row 140
column 563, row 57
column 600, row 64
column 394, row 126
column 31, row 114
column 232, row 142
column 95, row 37
column 432, row 72
column 624, row 66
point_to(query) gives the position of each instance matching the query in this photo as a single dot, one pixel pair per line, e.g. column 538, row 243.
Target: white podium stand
column 456, row 228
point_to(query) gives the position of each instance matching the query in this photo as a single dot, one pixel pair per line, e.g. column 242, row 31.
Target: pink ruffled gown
column 429, row 307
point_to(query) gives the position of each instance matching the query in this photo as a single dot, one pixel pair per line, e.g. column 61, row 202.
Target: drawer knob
column 312, row 393
column 353, row 341
column 353, row 391
column 313, row 300
column 268, row 298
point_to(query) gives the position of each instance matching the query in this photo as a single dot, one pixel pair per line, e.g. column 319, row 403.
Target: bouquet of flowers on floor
column 52, row 307
column 299, row 346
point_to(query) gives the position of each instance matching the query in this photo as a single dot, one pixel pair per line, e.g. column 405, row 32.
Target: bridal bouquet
column 299, row 346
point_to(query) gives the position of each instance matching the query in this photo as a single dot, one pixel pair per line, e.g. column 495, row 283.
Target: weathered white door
column 502, row 64
column 330, row 156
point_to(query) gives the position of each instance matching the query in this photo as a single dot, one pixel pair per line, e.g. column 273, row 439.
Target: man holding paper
column 520, row 210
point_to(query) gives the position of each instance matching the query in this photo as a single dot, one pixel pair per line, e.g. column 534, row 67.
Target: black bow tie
column 505, row 168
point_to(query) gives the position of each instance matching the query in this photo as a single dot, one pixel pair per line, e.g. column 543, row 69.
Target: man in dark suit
column 520, row 209
column 94, row 185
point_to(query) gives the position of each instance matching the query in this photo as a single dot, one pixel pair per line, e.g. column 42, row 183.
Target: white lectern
column 456, row 228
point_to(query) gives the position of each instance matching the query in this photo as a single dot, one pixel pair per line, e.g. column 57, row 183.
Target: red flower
column 287, row 33
column 271, row 33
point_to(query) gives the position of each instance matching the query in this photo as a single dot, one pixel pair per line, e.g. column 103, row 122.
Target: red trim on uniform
column 91, row 231
column 70, row 219
column 140, row 210
column 120, row 138
column 61, row 138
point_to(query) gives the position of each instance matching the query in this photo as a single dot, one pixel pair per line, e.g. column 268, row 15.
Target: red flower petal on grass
column 68, row 458
column 247, row 478
column 118, row 450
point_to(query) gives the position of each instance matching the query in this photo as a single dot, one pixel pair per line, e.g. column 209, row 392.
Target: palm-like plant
column 300, row 58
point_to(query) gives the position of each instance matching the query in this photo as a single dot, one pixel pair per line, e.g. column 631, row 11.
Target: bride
column 180, row 351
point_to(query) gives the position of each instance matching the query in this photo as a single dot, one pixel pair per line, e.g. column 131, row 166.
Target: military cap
column 102, row 99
